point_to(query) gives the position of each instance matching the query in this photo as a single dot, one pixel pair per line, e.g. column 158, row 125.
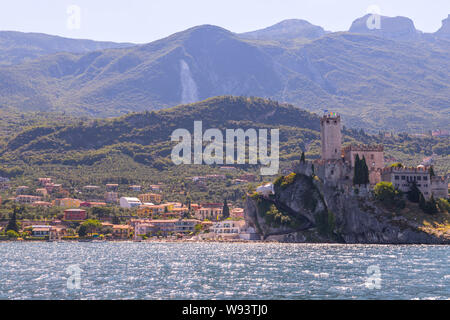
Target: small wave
column 322, row 275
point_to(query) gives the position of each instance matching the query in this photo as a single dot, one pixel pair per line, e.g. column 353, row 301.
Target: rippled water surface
column 127, row 270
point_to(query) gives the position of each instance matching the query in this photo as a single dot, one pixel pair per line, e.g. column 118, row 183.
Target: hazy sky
column 146, row 20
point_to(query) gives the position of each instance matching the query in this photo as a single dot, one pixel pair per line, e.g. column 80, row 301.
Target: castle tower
column 330, row 132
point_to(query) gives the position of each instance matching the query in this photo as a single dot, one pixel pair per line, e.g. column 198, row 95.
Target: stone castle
column 336, row 165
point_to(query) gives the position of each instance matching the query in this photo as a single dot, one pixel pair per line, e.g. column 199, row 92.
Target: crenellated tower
column 330, row 129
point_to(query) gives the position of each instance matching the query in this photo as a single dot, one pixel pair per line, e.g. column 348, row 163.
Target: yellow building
column 150, row 197
column 121, row 231
column 67, row 202
column 150, row 210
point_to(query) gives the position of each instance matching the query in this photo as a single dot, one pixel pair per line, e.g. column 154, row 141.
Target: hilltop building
column 129, row 202
column 112, row 187
column 150, row 197
column 402, row 177
column 336, row 165
column 135, row 188
column 111, row 197
column 67, row 202
column 75, row 215
column 27, row 199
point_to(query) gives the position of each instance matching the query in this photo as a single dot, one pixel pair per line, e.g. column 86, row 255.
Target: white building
column 234, row 229
column 266, row 189
column 228, row 228
column 129, row 202
column 143, row 228
column 403, row 177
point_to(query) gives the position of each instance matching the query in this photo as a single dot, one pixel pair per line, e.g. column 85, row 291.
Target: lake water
column 127, row 270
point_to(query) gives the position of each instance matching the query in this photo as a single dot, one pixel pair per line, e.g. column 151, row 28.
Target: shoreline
column 228, row 241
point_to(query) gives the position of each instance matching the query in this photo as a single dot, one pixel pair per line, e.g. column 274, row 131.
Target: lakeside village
column 145, row 216
column 152, row 218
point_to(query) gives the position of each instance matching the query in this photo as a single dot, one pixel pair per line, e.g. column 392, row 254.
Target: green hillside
column 18, row 47
column 136, row 148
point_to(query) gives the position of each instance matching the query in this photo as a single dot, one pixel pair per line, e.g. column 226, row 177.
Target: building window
column 425, row 178
column 397, row 177
column 371, row 156
column 403, row 177
column 419, row 178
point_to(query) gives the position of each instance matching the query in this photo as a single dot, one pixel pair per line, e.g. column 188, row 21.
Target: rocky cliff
column 395, row 28
column 304, row 209
column 444, row 31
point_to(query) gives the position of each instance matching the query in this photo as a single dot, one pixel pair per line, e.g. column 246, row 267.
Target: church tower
column 330, row 130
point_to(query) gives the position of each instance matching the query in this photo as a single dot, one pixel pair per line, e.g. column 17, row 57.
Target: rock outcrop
column 304, row 209
column 444, row 31
column 396, row 28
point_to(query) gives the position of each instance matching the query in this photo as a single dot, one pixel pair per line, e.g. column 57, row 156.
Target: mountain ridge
column 286, row 30
column 18, row 47
column 374, row 81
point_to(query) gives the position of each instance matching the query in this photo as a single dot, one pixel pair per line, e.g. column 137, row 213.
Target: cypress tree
column 115, row 220
column 430, row 206
column 431, row 170
column 302, row 158
column 12, row 224
column 225, row 210
column 364, row 171
column 414, row 193
column 357, row 171
column 422, row 202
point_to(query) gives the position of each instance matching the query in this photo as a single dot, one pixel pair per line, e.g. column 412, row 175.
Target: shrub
column 443, row 205
column 11, row 234
column 285, row 181
column 430, row 206
column 414, row 193
column 387, row 194
column 274, row 216
column 397, row 165
column 69, row 238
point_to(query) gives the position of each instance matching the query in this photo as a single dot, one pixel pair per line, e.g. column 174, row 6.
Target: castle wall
column 374, row 156
column 439, row 187
column 331, row 172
